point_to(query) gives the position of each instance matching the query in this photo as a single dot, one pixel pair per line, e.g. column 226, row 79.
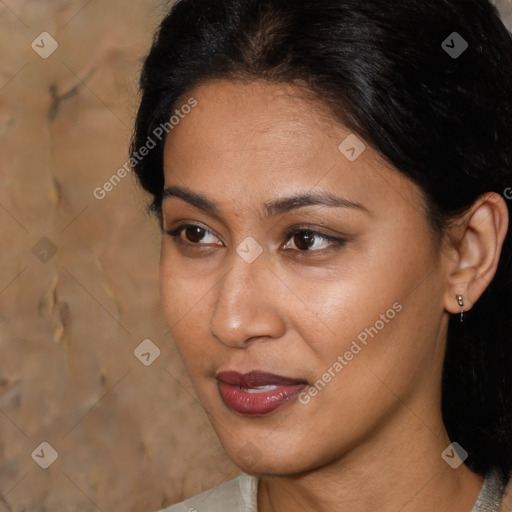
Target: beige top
column 240, row 495
column 237, row 495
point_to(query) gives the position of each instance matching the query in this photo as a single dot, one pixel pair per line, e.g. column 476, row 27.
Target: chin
column 260, row 458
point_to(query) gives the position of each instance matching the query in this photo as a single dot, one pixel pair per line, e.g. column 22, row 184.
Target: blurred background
column 96, row 412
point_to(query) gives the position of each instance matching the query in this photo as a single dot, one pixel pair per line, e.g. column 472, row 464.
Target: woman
column 332, row 179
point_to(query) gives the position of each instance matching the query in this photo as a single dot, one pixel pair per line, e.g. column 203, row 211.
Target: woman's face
column 339, row 300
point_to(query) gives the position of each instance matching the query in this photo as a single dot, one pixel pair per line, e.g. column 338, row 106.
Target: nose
column 247, row 305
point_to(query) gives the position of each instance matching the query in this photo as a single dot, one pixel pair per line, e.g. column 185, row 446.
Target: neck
column 398, row 468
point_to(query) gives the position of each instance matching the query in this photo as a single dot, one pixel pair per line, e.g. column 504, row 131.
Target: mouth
column 256, row 393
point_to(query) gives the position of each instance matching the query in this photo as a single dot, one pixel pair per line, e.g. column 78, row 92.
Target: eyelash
column 336, row 242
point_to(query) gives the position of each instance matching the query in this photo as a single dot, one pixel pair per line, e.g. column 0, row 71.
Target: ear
column 474, row 250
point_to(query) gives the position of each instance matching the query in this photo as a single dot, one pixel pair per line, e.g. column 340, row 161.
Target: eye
column 193, row 234
column 301, row 240
column 307, row 240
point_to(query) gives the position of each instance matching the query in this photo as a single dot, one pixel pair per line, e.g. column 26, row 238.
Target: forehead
column 253, row 124
column 258, row 140
column 257, row 117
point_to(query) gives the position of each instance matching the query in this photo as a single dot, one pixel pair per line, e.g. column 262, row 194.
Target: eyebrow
column 271, row 208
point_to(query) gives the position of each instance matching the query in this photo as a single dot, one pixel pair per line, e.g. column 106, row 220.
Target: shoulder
column 237, row 495
column 506, row 503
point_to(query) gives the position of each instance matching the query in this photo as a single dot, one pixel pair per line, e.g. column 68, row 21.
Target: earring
column 461, row 305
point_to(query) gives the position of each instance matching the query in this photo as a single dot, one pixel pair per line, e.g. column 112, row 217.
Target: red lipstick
column 257, row 393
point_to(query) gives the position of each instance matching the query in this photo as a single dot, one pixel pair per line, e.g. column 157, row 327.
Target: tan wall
column 129, row 437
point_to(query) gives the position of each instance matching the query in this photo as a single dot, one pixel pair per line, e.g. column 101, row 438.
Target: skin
column 372, row 438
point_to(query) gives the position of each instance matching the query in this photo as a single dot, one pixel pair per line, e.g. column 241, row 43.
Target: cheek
column 183, row 285
column 370, row 310
column 182, row 297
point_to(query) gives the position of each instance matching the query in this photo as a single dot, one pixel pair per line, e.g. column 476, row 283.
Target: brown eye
column 304, row 240
column 194, row 234
column 310, row 241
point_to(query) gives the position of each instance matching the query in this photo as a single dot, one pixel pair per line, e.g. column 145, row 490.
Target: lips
column 256, row 393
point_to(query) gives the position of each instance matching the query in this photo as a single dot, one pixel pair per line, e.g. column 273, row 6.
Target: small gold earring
column 461, row 305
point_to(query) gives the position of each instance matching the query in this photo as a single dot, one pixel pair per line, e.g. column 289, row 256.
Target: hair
column 381, row 70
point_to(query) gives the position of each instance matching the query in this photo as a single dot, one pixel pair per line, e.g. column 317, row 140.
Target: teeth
column 259, row 389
